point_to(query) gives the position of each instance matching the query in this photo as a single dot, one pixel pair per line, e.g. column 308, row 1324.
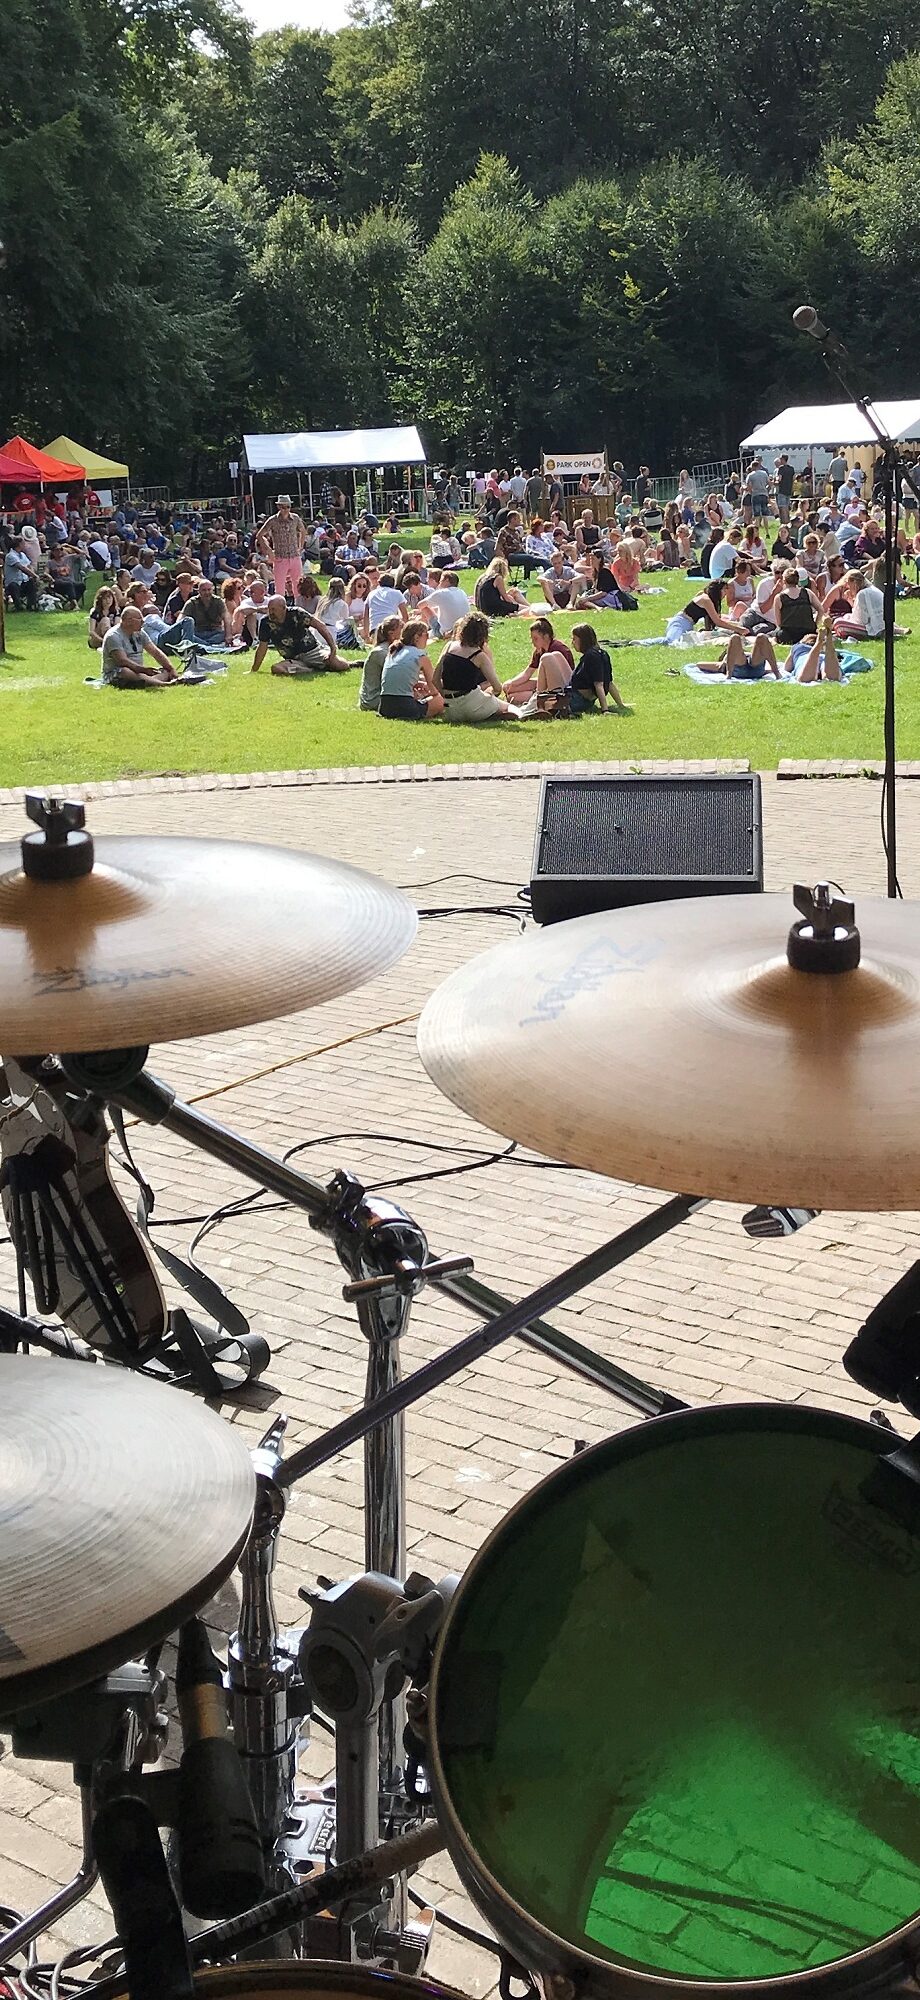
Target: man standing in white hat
column 282, row 537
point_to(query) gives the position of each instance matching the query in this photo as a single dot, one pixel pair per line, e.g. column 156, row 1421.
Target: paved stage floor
column 707, row 1313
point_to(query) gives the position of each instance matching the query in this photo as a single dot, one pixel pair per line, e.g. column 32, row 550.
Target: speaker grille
column 648, row 827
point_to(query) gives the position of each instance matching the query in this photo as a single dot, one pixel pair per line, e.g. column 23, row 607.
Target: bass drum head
column 676, row 1703
column 316, row 1979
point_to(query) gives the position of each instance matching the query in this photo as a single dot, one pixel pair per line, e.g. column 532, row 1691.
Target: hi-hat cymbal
column 167, row 938
column 123, row 1507
column 674, row 1045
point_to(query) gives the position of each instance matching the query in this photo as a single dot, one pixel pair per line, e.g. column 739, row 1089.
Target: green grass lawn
column 53, row 728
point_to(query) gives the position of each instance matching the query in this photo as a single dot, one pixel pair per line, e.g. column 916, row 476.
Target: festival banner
column 572, row 464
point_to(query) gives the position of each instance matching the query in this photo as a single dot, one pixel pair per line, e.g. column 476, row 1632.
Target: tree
column 475, row 334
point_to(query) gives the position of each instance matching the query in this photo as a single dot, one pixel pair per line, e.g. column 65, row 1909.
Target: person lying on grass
column 592, row 684
column 301, row 640
column 738, row 664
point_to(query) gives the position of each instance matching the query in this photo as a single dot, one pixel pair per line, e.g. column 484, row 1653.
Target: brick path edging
column 375, row 774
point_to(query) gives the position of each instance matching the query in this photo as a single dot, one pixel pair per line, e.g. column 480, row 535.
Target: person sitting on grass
column 206, row 611
column 334, row 613
column 465, row 675
column 103, row 614
column 495, row 597
column 123, row 650
column 383, row 601
column 357, row 593
column 627, row 567
column 559, row 583
column 156, row 626
column 61, row 577
column 866, row 619
column 739, row 591
column 543, row 687
column 587, row 532
column 796, row 609
column 547, row 650
column 372, row 675
column 592, row 683
column 306, row 646
column 253, row 606
column 407, row 689
column 20, row 576
column 599, row 585
column 539, row 542
column 704, row 609
column 446, row 603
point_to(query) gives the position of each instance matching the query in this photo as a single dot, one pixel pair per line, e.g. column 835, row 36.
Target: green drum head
column 678, row 1700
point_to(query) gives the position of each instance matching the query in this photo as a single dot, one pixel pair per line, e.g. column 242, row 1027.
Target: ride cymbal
column 164, row 938
column 123, row 1507
column 675, row 1045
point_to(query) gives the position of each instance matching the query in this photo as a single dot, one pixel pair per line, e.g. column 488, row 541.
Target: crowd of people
column 771, row 565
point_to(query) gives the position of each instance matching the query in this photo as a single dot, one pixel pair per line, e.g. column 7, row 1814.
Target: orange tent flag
column 35, row 464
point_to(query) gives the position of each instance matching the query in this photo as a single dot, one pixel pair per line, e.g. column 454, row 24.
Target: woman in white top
column 335, row 614
column 867, row 617
column 539, row 542
column 739, row 592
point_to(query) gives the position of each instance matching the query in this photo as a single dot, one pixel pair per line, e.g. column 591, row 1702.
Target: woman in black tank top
column 796, row 610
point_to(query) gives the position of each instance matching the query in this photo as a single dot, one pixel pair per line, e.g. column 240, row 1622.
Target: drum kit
column 667, row 1725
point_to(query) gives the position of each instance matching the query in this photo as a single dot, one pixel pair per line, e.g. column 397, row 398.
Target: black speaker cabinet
column 603, row 842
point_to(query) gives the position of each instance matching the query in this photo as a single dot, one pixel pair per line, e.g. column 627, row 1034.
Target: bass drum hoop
column 265, row 1979
column 566, row 1970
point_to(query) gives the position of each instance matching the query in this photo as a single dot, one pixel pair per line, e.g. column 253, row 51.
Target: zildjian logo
column 587, row 973
column 73, row 979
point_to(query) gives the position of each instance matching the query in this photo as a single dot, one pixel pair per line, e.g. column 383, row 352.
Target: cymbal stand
column 385, row 1254
column 112, row 1726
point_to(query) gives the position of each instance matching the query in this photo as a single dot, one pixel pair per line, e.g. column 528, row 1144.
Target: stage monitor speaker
column 604, row 842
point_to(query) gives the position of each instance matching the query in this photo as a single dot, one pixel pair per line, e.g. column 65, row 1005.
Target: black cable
column 460, row 875
column 477, row 910
column 460, row 1930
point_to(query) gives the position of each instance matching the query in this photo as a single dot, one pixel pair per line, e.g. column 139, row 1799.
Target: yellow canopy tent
column 92, row 462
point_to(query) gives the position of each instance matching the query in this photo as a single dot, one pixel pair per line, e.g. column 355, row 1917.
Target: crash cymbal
column 676, row 1046
column 123, row 1506
column 166, row 938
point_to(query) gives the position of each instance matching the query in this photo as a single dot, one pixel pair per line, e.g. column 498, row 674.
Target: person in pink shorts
column 282, row 538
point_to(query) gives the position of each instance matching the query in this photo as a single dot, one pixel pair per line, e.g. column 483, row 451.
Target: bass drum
column 675, row 1710
column 313, row 1979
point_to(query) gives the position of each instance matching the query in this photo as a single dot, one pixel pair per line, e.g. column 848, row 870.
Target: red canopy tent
column 32, row 465
column 13, row 471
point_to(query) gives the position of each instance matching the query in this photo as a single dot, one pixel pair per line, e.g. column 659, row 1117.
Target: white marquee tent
column 330, row 451
column 827, row 425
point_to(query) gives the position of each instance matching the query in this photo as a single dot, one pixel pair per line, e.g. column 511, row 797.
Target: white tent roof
column 832, row 424
column 311, row 451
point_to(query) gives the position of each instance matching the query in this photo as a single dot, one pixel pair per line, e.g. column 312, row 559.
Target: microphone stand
column 836, row 360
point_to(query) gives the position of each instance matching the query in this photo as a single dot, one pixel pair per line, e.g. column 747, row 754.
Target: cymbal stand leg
column 64, row 1899
column 262, row 1678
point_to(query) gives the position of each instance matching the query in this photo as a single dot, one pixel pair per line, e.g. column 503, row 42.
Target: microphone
column 885, row 1356
column 805, row 320
column 221, row 1864
column 147, row 1915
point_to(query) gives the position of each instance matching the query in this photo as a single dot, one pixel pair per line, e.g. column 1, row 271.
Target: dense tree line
column 519, row 225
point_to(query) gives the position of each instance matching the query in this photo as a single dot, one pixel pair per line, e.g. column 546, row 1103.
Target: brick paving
column 706, row 1313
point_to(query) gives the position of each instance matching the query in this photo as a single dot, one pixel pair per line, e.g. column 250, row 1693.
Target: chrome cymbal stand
column 385, row 1254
